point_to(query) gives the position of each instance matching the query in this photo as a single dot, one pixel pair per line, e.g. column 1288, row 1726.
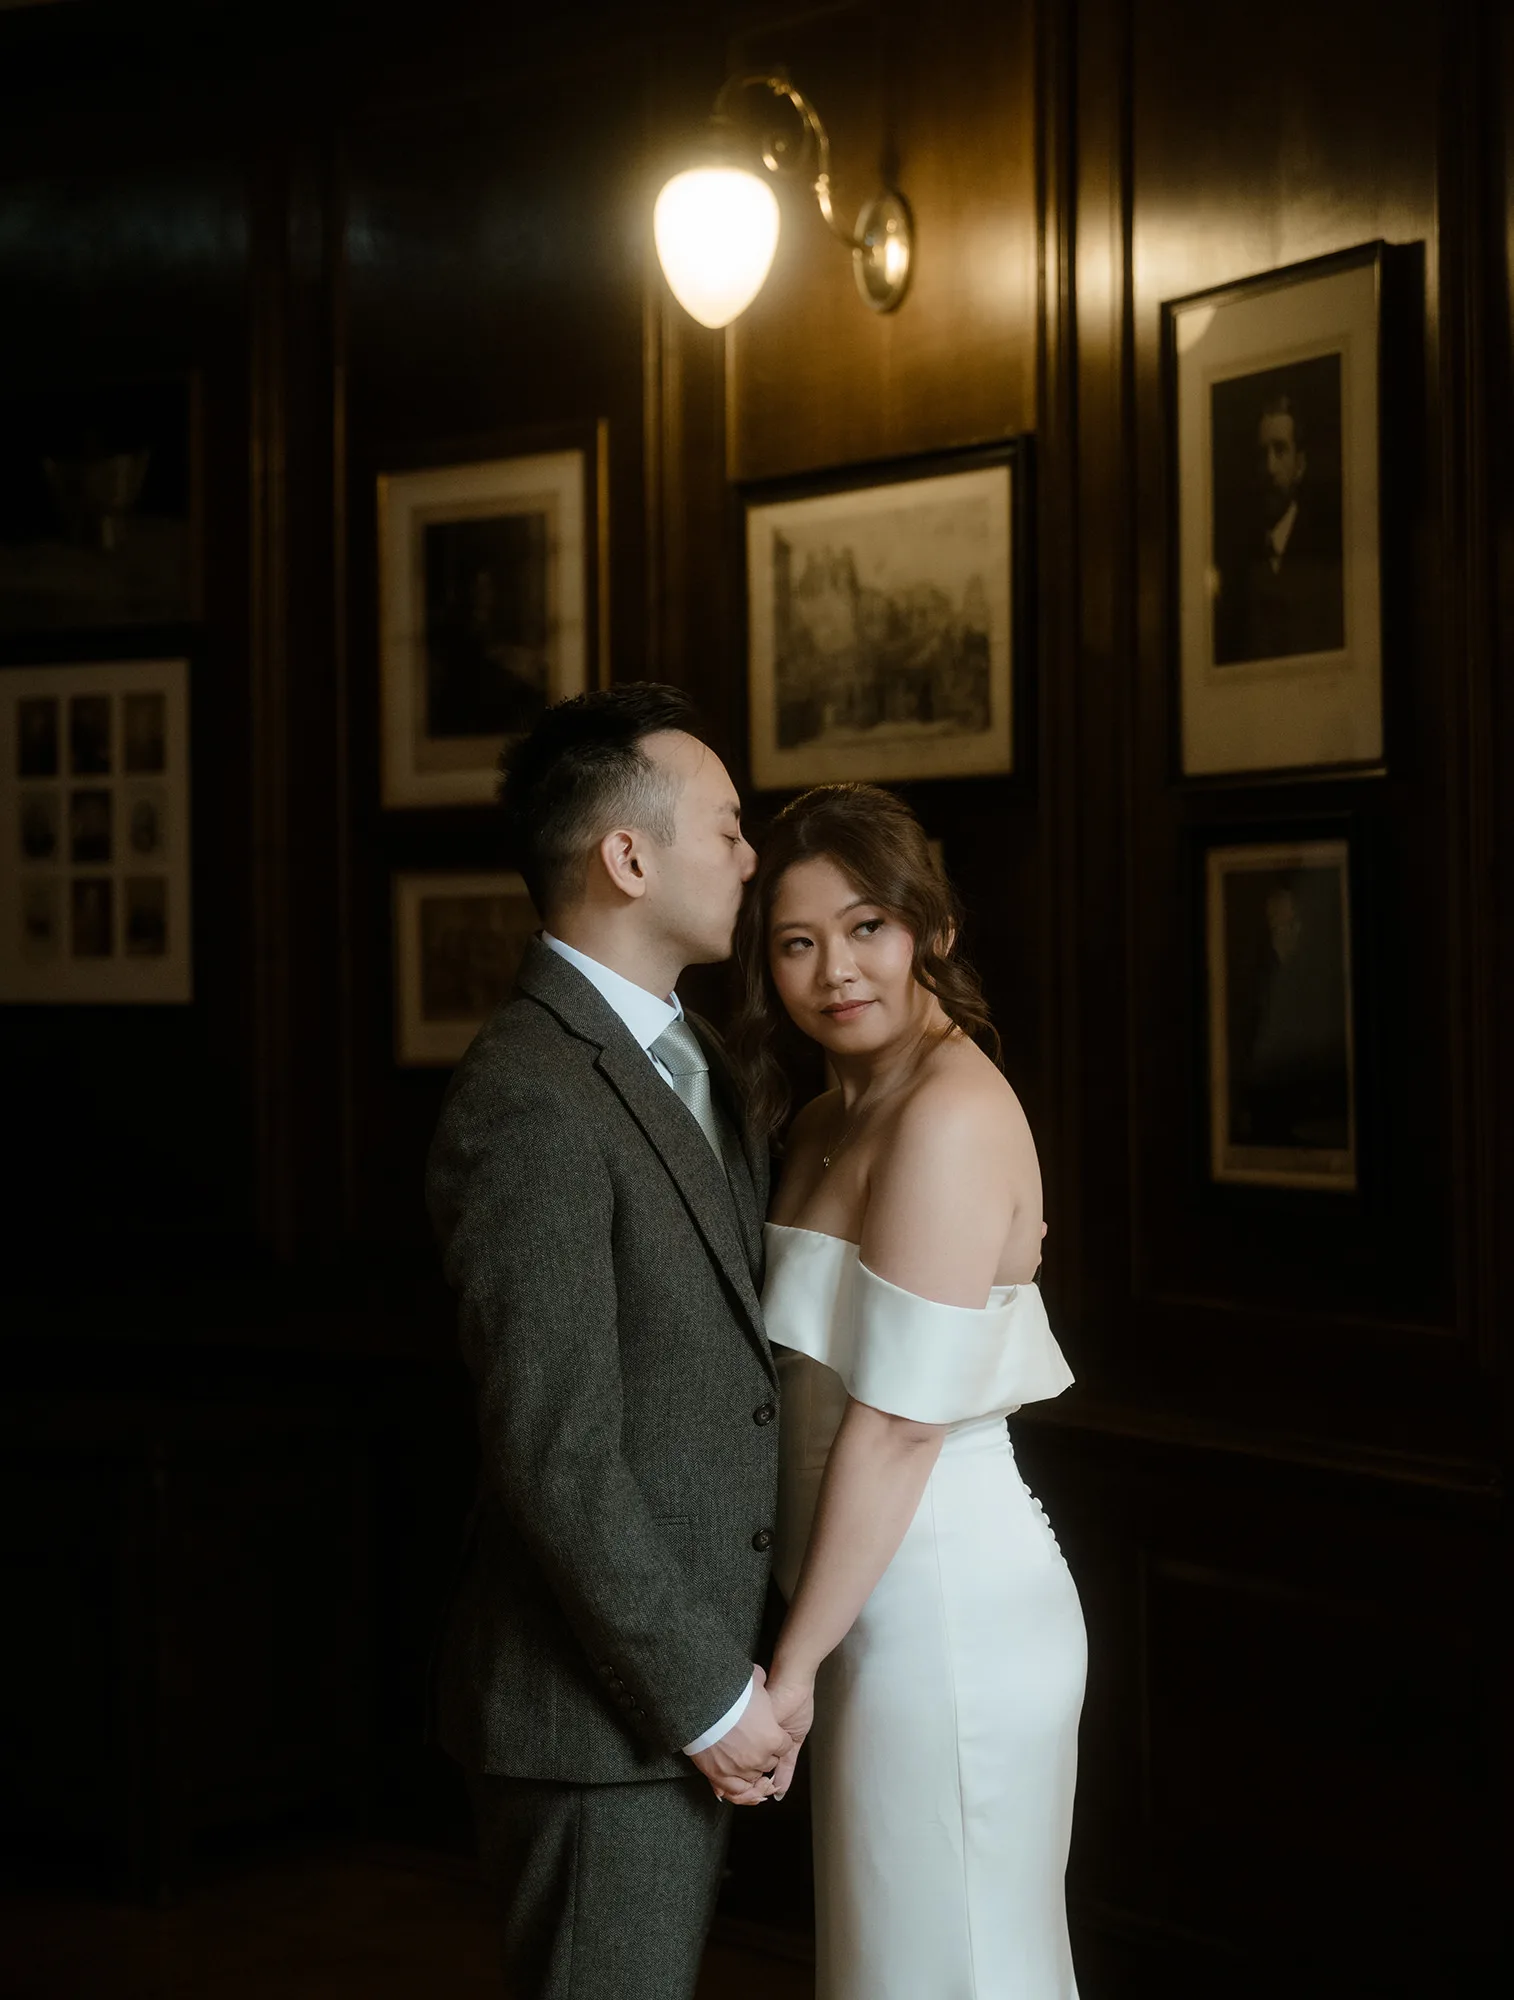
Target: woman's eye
column 870, row 926
column 793, row 944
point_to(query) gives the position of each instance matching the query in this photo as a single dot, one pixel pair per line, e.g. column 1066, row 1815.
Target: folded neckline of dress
column 999, row 1296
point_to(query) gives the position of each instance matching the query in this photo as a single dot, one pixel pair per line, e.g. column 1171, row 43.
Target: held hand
column 736, row 1764
column 794, row 1705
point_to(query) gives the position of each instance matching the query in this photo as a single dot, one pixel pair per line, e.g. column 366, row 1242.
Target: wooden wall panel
column 1237, row 165
column 946, row 98
column 489, row 296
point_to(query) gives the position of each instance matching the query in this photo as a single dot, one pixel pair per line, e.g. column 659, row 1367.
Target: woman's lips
column 846, row 1010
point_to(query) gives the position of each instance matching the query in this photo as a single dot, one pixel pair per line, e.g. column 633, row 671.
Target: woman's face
column 843, row 967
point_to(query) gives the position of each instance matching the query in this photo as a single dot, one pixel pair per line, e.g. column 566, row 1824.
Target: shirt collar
column 1279, row 532
column 643, row 1013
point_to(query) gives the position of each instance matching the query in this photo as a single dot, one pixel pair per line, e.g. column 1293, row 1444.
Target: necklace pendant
column 825, row 1160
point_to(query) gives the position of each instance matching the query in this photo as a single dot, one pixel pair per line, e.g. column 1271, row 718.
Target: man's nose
column 748, row 861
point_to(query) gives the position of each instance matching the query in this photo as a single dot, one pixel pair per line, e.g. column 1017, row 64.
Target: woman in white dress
column 933, row 1637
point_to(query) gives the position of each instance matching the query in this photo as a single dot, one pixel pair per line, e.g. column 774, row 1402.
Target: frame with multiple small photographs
column 884, row 610
column 492, row 603
column 1274, row 386
column 1282, row 1014
column 459, row 940
column 94, row 833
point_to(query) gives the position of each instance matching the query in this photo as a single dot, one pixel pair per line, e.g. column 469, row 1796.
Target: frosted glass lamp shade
column 716, row 230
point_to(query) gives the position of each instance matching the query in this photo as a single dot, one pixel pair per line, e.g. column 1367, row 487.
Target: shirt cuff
column 726, row 1723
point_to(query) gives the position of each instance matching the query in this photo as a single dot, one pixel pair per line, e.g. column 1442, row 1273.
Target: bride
column 934, row 1638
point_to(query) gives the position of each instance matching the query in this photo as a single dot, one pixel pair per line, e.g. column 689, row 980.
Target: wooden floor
column 359, row 1923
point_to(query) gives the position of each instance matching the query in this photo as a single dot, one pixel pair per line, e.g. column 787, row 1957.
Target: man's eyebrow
column 733, row 807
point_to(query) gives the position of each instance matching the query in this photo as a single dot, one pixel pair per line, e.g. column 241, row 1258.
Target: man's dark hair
column 1281, row 404
column 582, row 772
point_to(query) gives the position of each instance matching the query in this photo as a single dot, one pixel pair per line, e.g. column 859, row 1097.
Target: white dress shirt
column 1277, row 537
column 646, row 1017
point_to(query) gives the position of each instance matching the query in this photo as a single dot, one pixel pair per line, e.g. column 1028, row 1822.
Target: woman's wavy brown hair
column 879, row 845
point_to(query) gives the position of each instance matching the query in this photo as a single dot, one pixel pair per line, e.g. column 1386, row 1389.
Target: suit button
column 764, row 1413
column 763, row 1539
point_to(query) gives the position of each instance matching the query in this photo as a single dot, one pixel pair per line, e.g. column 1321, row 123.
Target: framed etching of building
column 1278, row 586
column 1282, row 1045
column 94, row 833
column 882, row 612
column 491, row 605
column 458, row 942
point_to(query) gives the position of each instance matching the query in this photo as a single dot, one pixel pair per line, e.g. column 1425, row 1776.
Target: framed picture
column 1282, row 1054
column 458, row 944
column 1275, row 393
column 94, row 833
column 491, row 605
column 99, row 508
column 882, row 614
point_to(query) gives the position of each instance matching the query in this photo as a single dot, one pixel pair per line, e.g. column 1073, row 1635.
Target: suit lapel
column 749, row 1169
column 665, row 1120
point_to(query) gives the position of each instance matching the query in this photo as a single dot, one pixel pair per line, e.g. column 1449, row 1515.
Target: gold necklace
column 851, row 1125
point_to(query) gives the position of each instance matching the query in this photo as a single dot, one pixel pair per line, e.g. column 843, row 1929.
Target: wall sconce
column 716, row 225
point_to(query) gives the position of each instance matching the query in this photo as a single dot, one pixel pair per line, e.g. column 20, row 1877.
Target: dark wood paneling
column 947, row 101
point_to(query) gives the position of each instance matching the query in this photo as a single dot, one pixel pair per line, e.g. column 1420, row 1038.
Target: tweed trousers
column 602, row 1892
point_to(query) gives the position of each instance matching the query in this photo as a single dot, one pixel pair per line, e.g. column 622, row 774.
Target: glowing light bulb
column 716, row 230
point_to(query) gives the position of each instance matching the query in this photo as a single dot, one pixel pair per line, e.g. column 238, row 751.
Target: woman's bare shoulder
column 962, row 1094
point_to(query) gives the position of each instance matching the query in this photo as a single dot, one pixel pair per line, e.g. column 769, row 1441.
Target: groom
column 600, row 1201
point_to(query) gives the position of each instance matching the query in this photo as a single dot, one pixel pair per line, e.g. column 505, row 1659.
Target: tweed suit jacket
column 608, row 1279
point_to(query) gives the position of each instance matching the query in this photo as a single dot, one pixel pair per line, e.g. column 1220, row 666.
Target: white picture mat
column 888, row 752
column 1309, row 709
column 166, row 978
column 418, row 1041
column 1273, row 1166
column 418, row 770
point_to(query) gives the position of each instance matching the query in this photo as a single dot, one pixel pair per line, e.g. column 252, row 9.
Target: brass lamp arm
column 815, row 134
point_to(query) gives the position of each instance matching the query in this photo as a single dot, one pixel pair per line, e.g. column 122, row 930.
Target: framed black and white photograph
column 459, row 940
column 881, row 622
column 1275, row 388
column 94, row 833
column 99, row 508
column 1282, row 1053
column 491, row 605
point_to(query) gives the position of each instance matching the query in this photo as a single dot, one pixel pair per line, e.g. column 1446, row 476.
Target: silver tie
column 677, row 1049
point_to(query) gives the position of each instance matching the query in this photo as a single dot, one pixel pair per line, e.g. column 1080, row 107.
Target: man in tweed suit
column 599, row 1200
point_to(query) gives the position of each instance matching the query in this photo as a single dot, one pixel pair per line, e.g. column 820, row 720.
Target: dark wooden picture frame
column 1277, row 627
column 920, row 651
column 456, row 508
column 101, row 516
column 1280, row 954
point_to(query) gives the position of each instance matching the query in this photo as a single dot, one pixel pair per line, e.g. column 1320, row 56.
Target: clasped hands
column 755, row 1760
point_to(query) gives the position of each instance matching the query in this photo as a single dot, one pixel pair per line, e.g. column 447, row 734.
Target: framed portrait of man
column 1282, row 1045
column 492, row 604
column 1275, row 398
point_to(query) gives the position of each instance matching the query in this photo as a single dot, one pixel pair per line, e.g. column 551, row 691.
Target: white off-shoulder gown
column 944, row 1749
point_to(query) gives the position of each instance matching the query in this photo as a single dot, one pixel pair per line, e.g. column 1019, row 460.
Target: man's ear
column 620, row 855
column 1303, row 463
